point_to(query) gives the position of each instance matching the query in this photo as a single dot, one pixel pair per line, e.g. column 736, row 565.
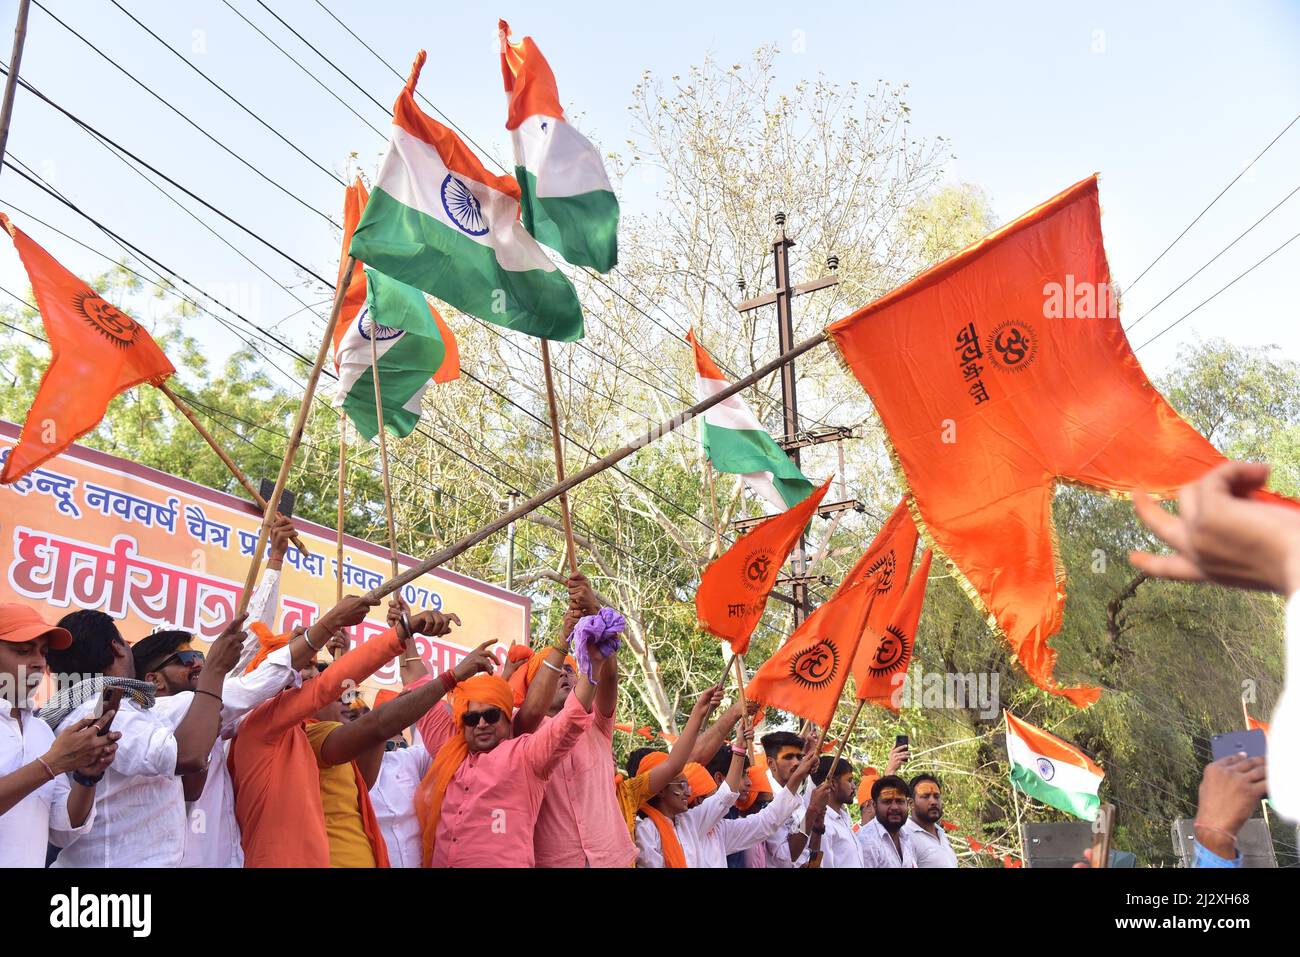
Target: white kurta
column 41, row 818
column 878, row 847
column 839, row 844
column 707, row 836
column 393, row 798
column 931, row 850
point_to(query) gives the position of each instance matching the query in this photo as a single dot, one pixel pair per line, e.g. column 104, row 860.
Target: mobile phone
column 109, row 699
column 900, row 741
column 267, row 488
column 1253, row 743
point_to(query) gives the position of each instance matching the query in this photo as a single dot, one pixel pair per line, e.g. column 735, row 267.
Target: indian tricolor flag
column 411, row 342
column 735, row 441
column 567, row 201
column 439, row 221
column 1052, row 771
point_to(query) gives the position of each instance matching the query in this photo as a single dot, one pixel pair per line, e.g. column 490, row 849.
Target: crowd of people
column 260, row 753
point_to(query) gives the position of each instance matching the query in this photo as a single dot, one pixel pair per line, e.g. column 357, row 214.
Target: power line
column 1213, row 201
column 222, row 90
column 1214, row 295
column 131, row 76
column 1213, row 258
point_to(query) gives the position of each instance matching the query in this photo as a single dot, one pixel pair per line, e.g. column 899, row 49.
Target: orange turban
column 869, row 777
column 428, row 796
column 519, row 653
column 383, row 696
column 267, row 643
column 701, row 781
column 523, row 676
column 757, row 785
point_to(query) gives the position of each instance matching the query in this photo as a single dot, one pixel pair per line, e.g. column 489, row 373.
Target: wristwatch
column 87, row 780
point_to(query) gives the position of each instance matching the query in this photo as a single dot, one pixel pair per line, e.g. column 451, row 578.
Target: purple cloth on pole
column 603, row 630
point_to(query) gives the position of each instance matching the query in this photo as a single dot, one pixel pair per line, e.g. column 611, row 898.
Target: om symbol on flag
column 816, row 666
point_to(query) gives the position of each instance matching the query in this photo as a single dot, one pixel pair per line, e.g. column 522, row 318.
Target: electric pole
column 795, row 438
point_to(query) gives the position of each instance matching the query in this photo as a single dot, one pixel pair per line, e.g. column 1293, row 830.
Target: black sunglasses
column 185, row 658
column 491, row 716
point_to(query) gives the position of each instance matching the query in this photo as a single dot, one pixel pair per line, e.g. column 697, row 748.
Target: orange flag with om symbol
column 734, row 588
column 881, row 664
column 999, row 373
column 806, row 675
column 98, row 352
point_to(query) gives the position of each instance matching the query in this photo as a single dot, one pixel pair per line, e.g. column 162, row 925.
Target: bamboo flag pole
column 15, row 60
column 845, row 739
column 595, row 468
column 295, row 437
column 383, row 449
column 559, row 457
column 183, row 408
column 343, row 473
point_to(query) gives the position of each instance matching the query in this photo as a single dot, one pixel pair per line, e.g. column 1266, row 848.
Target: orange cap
column 869, row 777
column 19, row 623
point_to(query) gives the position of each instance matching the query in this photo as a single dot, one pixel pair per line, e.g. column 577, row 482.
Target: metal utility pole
column 794, row 438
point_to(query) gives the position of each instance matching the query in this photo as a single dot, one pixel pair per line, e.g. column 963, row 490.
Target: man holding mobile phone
column 39, row 802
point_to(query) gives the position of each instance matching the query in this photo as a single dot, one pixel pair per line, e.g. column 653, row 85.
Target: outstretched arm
column 680, row 754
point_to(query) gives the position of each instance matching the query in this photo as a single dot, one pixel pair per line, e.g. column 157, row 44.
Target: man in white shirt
column 839, row 844
column 39, row 804
column 140, row 806
column 1222, row 534
column 401, row 770
column 788, row 847
column 928, row 840
column 705, row 834
column 883, row 841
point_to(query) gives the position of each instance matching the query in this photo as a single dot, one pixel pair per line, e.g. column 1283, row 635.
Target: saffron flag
column 734, row 588
column 880, row 665
column 412, row 343
column 998, row 373
column 439, row 221
column 1052, row 771
column 1254, row 725
column 736, row 442
column 806, row 675
column 566, row 199
column 97, row 353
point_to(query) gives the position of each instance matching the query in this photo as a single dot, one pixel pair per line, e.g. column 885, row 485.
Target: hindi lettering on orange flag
column 734, row 588
column 98, row 352
column 999, row 373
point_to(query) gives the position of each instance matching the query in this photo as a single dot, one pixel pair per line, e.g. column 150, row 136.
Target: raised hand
column 898, row 756
column 434, row 624
column 281, row 531
column 224, row 651
column 708, row 700
column 480, row 659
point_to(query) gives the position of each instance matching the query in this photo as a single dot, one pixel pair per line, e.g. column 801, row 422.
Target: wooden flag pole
column 446, row 554
column 15, row 60
column 295, row 437
column 559, row 456
column 343, row 467
column 845, row 739
column 383, row 449
column 183, row 408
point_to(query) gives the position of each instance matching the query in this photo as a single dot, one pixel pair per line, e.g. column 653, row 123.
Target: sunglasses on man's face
column 491, row 716
column 184, row 658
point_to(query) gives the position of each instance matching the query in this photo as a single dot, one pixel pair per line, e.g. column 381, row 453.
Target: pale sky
column 1168, row 101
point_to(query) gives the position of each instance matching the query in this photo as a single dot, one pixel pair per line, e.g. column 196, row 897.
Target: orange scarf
column 674, row 856
column 267, row 643
column 488, row 689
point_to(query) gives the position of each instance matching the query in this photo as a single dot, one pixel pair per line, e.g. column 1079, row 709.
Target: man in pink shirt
column 580, row 823
column 479, row 802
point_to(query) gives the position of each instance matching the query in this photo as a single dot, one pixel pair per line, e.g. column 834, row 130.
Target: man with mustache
column 883, row 841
